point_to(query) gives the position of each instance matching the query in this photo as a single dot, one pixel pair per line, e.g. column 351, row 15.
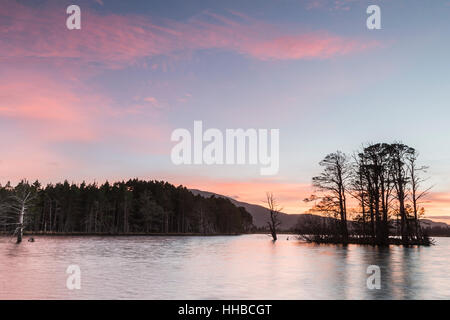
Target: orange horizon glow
column 290, row 196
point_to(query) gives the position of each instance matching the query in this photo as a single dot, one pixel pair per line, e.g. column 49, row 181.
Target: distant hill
column 260, row 214
column 427, row 223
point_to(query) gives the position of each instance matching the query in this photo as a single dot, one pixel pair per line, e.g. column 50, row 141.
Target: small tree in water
column 274, row 211
column 14, row 209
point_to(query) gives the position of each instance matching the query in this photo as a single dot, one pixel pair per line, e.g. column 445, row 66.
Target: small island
column 373, row 197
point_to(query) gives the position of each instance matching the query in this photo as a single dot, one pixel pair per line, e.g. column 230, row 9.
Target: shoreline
column 392, row 241
column 119, row 234
column 128, row 234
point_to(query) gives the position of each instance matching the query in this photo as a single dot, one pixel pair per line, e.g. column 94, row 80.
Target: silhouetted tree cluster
column 134, row 206
column 385, row 181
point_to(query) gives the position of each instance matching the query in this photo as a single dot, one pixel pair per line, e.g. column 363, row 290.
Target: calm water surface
column 238, row 267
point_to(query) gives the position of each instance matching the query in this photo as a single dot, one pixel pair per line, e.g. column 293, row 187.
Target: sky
column 101, row 103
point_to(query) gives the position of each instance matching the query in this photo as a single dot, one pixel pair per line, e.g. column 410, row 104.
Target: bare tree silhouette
column 274, row 210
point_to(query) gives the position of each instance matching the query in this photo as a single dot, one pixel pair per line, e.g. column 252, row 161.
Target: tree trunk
column 274, row 236
column 273, row 231
column 20, row 228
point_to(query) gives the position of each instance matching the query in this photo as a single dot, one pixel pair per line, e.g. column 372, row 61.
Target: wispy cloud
column 152, row 101
column 46, row 109
column 39, row 114
column 121, row 40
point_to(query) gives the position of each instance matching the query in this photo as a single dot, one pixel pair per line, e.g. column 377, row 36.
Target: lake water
column 222, row 267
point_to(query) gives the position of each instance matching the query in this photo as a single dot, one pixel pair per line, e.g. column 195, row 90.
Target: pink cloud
column 152, row 101
column 45, row 109
column 121, row 40
column 305, row 47
column 39, row 113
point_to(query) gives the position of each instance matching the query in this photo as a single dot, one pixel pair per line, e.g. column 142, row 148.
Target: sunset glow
column 100, row 103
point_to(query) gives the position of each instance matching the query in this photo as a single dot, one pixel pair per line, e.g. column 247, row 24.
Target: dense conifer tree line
column 134, row 206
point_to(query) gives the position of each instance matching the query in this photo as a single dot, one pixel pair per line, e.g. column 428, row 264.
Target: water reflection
column 241, row 267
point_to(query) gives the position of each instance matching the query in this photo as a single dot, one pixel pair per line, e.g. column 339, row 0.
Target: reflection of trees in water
column 398, row 272
column 380, row 256
column 344, row 276
column 333, row 271
column 410, row 278
column 400, row 276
